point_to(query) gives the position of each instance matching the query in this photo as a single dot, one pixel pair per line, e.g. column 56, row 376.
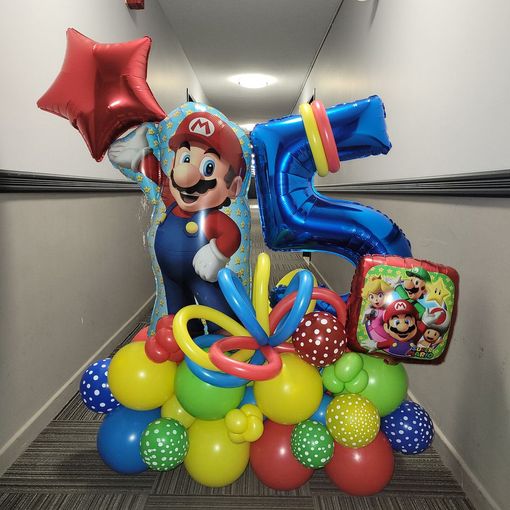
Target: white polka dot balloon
column 164, row 444
column 409, row 428
column 320, row 339
column 94, row 389
column 352, row 420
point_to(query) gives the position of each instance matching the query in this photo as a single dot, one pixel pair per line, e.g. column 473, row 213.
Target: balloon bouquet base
column 313, row 383
column 284, row 394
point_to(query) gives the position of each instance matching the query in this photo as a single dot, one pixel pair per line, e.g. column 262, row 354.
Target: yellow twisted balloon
column 260, row 301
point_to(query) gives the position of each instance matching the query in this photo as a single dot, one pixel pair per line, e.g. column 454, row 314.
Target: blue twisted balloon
column 240, row 303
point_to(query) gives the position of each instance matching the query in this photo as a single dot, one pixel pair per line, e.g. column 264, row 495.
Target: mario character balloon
column 402, row 307
column 192, row 167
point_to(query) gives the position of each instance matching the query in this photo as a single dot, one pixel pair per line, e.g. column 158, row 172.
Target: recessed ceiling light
column 253, row 80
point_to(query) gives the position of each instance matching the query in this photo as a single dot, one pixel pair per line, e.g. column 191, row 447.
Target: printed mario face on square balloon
column 400, row 321
column 208, row 167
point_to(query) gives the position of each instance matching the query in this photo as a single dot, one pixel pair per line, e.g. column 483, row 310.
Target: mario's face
column 201, row 179
column 431, row 336
column 415, row 287
column 402, row 327
column 376, row 299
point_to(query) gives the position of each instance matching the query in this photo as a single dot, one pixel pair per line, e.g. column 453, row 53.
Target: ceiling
column 222, row 38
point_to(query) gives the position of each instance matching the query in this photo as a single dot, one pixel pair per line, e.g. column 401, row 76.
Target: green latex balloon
column 330, row 381
column 358, row 384
column 203, row 400
column 312, row 444
column 387, row 384
column 348, row 366
column 383, row 384
column 164, row 444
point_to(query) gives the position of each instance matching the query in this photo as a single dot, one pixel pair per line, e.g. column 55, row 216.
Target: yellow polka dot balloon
column 352, row 420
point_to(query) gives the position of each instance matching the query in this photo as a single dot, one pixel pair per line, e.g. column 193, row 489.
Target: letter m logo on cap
column 400, row 306
column 201, row 126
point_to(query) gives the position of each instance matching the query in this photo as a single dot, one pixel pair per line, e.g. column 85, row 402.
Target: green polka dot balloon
column 164, row 444
column 352, row 420
column 311, row 444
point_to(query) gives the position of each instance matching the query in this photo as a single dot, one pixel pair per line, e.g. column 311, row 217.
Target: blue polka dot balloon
column 409, row 428
column 94, row 388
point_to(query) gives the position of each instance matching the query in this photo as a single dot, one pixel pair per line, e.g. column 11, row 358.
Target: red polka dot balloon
column 320, row 339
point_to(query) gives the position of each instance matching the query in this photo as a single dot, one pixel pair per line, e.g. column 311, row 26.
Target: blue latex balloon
column 409, row 428
column 249, row 397
column 118, row 439
column 94, row 389
column 297, row 218
column 302, row 282
column 277, row 294
column 239, row 301
column 320, row 414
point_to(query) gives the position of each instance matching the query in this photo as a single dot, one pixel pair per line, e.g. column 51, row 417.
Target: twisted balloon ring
column 262, row 335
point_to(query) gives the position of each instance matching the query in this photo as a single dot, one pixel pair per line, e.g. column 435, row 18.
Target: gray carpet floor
column 61, row 469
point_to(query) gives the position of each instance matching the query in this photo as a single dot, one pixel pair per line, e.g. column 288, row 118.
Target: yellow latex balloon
column 188, row 345
column 251, row 410
column 244, row 424
column 352, row 420
column 137, row 382
column 254, row 430
column 173, row 409
column 260, row 292
column 213, row 459
column 293, row 395
column 314, row 139
column 236, row 421
column 287, row 279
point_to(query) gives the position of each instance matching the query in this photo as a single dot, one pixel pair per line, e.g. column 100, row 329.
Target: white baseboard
column 18, row 443
column 474, row 489
column 472, row 486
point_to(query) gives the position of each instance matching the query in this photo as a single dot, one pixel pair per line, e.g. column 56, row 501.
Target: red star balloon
column 102, row 89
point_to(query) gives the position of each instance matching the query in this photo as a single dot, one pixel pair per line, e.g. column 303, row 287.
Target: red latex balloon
column 142, row 335
column 154, row 351
column 163, row 346
column 165, row 322
column 320, row 339
column 166, row 341
column 273, row 462
column 362, row 471
column 101, row 89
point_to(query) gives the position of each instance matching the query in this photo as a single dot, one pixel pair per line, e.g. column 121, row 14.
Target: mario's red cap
column 399, row 307
column 210, row 130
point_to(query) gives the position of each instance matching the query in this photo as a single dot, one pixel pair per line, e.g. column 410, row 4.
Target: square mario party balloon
column 402, row 307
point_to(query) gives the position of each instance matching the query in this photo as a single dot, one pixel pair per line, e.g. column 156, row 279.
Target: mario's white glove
column 370, row 345
column 129, row 151
column 208, row 261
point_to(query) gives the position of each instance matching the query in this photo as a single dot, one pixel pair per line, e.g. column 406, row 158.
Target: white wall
column 468, row 395
column 440, row 68
column 32, row 35
column 76, row 275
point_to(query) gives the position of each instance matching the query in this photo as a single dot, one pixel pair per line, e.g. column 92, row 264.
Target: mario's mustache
column 403, row 333
column 200, row 187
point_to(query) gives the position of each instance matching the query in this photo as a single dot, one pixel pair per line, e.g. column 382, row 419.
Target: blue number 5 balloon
column 294, row 216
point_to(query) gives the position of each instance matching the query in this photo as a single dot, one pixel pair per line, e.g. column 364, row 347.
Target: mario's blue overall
column 177, row 241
